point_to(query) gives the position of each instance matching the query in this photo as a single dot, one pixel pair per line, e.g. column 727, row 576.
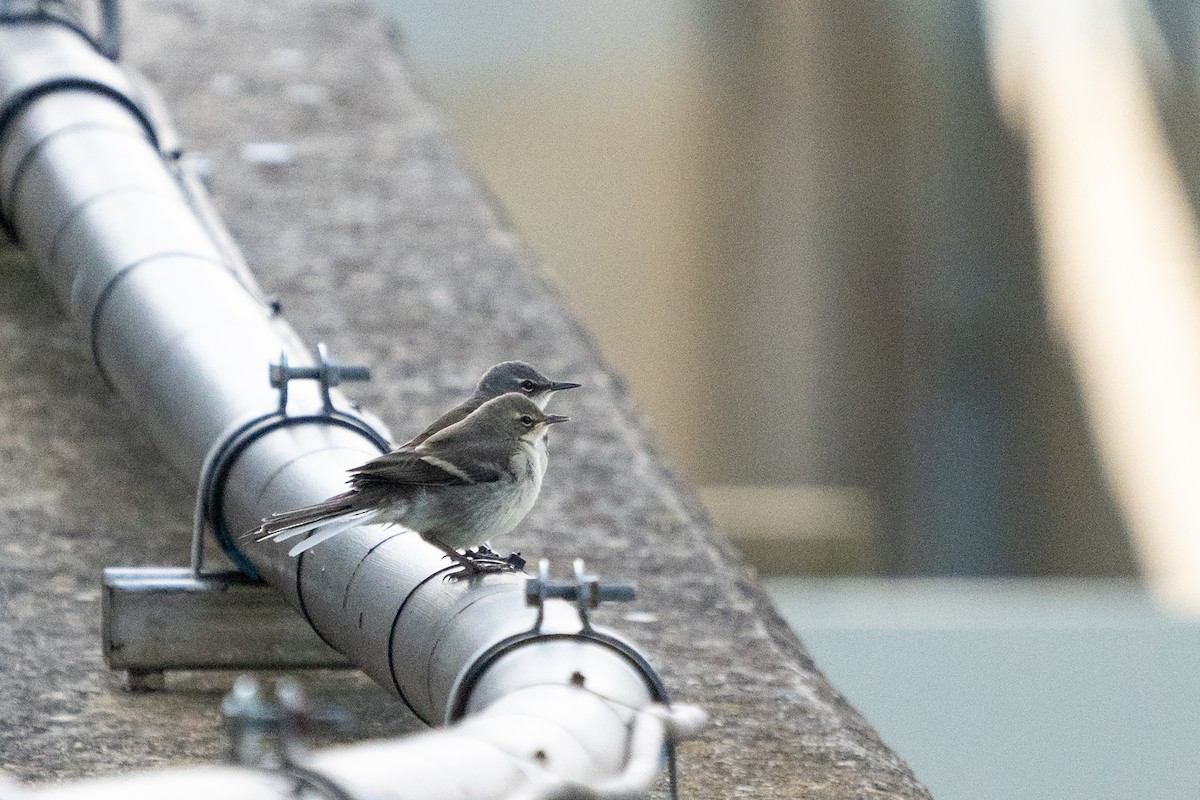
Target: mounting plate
column 160, row 618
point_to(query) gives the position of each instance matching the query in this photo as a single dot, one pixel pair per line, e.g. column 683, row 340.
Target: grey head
column 519, row 377
column 509, row 417
column 508, row 376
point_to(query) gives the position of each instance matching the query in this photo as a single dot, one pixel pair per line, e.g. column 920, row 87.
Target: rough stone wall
column 378, row 240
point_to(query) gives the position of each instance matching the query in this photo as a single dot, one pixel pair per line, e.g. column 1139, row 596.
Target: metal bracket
column 167, row 618
column 160, row 618
column 210, row 493
column 586, row 592
column 265, row 734
column 327, row 372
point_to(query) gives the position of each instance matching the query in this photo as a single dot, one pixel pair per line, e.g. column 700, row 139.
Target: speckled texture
column 379, row 241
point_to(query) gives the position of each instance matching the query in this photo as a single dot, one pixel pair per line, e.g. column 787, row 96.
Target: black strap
column 210, row 496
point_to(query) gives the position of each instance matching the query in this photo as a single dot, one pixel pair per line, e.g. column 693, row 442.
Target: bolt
column 586, row 587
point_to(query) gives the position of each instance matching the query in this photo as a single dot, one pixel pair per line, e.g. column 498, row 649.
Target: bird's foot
column 484, row 561
column 484, row 555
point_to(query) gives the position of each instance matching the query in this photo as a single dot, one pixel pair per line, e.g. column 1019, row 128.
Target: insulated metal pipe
column 180, row 334
column 508, row 754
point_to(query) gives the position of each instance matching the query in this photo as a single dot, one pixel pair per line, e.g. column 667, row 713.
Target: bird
column 507, row 376
column 470, row 481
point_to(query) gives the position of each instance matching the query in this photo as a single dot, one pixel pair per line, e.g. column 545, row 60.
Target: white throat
column 534, row 449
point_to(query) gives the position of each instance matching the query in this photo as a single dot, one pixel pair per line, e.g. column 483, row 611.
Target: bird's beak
column 558, row 387
column 553, row 418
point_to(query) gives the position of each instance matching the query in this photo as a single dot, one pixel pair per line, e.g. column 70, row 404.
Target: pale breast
column 536, row 461
column 529, row 465
column 466, row 516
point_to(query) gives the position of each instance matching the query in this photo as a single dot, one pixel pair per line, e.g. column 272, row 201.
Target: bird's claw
column 484, row 561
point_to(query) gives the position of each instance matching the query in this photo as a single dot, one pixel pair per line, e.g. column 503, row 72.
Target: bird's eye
column 527, row 421
column 527, row 386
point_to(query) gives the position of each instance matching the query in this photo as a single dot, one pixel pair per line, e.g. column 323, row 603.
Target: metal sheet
column 168, row 618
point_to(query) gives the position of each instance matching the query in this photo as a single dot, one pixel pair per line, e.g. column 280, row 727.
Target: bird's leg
column 463, row 560
column 489, row 560
column 473, row 562
column 485, row 554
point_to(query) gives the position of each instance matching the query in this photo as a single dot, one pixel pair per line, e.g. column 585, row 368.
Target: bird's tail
column 332, row 516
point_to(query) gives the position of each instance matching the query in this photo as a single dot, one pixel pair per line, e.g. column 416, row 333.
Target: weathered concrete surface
column 379, row 241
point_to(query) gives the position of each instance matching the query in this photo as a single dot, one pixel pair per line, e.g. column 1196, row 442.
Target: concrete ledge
column 377, row 239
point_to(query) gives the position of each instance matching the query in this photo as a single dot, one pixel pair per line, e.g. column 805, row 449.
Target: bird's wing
column 416, row 467
column 456, row 414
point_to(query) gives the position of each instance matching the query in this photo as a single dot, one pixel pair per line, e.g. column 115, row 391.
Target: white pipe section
column 528, row 745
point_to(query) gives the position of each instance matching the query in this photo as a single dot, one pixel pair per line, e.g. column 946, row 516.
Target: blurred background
column 803, row 233
column 911, row 292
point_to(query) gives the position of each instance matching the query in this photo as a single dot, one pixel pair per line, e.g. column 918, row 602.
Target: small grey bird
column 471, row 480
column 507, row 376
